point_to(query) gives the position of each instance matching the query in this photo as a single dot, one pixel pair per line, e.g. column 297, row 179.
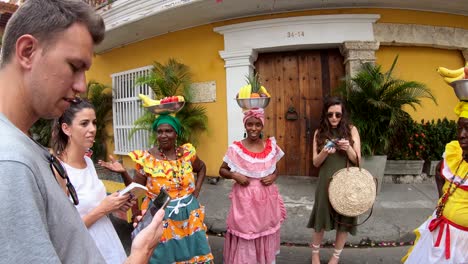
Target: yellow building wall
column 205, row 64
column 199, row 48
column 419, row 64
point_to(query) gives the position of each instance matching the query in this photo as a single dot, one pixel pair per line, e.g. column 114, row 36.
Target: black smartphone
column 160, row 201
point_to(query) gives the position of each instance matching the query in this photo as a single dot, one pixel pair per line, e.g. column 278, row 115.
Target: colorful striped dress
column 184, row 238
column 445, row 239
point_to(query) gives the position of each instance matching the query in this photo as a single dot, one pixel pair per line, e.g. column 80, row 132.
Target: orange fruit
column 254, row 95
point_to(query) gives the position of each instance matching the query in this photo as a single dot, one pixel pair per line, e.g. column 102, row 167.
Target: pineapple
column 253, row 88
column 254, row 82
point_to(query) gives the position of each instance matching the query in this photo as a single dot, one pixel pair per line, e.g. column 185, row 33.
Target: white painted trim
column 124, row 12
column 300, row 20
column 243, row 41
column 302, row 31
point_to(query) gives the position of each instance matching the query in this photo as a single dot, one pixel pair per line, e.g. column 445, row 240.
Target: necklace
column 177, row 176
column 441, row 205
column 176, row 151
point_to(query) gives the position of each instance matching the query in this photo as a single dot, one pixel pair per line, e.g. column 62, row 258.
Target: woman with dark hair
column 335, row 142
column 72, row 135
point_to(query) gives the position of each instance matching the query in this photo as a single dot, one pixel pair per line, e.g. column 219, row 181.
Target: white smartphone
column 161, row 201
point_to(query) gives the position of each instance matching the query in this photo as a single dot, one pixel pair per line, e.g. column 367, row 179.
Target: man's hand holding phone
column 146, row 241
column 160, row 202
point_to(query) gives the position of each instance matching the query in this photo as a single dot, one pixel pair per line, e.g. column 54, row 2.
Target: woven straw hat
column 352, row 191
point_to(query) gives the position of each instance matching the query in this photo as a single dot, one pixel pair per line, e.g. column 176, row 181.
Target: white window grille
column 126, row 108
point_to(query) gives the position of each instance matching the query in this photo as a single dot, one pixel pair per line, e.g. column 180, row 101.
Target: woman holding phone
column 72, row 135
column 335, row 142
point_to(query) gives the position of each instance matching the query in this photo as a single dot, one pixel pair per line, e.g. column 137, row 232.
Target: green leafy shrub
column 173, row 78
column 439, row 133
column 100, row 96
column 409, row 141
column 422, row 141
column 41, row 131
column 375, row 100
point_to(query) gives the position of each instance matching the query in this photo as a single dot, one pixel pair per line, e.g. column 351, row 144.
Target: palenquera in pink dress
column 257, row 211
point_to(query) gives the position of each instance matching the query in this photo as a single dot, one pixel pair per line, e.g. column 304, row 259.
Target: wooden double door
column 298, row 82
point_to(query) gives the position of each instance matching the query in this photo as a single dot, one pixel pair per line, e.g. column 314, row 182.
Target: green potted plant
column 409, row 146
column 173, row 78
column 375, row 100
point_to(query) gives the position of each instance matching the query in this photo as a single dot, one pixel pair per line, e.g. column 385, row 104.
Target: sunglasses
column 55, row 164
column 336, row 114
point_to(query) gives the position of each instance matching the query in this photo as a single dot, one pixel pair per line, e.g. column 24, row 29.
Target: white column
column 238, row 65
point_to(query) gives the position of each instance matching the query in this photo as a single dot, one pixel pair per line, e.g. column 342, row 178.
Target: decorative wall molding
column 421, row 35
column 286, row 33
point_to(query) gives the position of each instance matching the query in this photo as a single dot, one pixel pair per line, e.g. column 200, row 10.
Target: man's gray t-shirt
column 38, row 222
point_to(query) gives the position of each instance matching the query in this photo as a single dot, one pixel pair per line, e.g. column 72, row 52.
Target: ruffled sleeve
column 454, row 163
column 147, row 164
column 189, row 152
column 255, row 165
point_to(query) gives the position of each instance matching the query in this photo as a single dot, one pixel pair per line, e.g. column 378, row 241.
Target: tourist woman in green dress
column 335, row 142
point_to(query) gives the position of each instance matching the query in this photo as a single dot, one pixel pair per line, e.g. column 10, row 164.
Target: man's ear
column 27, row 47
column 66, row 129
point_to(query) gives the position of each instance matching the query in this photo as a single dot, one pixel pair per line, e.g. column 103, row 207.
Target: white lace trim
column 447, row 174
column 251, row 159
column 249, row 173
column 255, row 174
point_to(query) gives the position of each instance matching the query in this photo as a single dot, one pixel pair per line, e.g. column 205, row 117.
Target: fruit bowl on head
column 256, row 102
column 461, row 89
column 166, row 108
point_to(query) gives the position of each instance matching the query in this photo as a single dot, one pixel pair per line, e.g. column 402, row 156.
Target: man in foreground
column 47, row 47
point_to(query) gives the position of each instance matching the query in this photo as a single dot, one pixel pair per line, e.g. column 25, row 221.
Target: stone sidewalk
column 398, row 210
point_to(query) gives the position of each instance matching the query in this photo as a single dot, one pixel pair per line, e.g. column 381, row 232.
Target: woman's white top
column 91, row 192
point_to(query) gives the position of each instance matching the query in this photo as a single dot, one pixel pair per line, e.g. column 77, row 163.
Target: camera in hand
column 155, row 204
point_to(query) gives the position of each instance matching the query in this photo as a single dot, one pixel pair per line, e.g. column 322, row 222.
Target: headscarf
column 255, row 112
column 462, row 109
column 167, row 119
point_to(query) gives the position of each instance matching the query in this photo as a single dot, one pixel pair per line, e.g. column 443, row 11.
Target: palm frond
column 169, row 79
column 376, row 99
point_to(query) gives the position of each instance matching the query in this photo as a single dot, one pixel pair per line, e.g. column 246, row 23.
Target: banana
column 147, row 102
column 180, row 98
column 444, row 72
column 241, row 92
column 247, row 91
column 244, row 91
column 263, row 90
column 451, row 79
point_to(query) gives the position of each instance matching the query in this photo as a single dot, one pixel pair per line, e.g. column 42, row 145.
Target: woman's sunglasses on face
column 55, row 164
column 336, row 114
